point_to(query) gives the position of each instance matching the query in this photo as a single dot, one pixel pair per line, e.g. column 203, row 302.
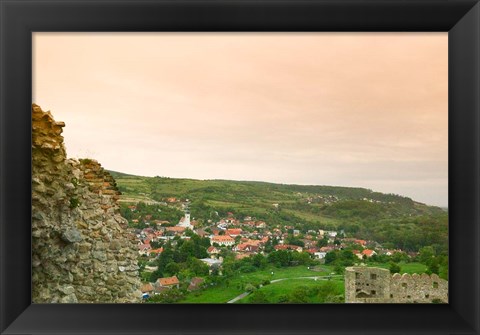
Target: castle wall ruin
column 82, row 249
column 376, row 285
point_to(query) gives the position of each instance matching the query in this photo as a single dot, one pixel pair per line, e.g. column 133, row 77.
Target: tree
column 433, row 266
column 197, row 267
column 347, row 257
column 165, row 258
column 425, row 254
column 171, row 269
column 388, row 245
column 301, row 258
column 187, row 250
column 330, row 257
column 394, row 268
column 328, row 291
column 338, row 269
column 259, row 261
column 259, row 297
column 399, row 256
column 155, row 244
column 295, row 241
column 322, row 242
column 280, row 258
column 168, row 296
column 299, row 295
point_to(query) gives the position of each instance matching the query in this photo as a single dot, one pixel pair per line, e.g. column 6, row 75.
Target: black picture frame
column 19, row 18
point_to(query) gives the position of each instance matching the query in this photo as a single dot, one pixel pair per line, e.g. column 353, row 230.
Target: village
column 240, row 237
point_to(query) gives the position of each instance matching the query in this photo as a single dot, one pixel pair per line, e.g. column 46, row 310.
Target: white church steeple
column 185, row 221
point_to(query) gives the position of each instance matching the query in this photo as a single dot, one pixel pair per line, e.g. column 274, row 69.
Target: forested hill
column 359, row 211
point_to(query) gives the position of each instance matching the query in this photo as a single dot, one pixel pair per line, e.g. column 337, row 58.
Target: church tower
column 185, row 222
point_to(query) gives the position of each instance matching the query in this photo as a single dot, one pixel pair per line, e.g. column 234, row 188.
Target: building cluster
column 248, row 236
column 245, row 237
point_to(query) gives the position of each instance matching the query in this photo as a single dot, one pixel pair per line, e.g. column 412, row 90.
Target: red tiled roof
column 195, row 283
column 156, row 251
column 280, row 247
column 212, row 249
column 368, row 252
column 146, row 288
column 241, row 246
column 287, row 247
column 224, row 238
column 176, row 229
column 168, row 281
column 234, row 231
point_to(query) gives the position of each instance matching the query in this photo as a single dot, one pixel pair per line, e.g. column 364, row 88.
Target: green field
column 217, row 294
column 235, row 286
column 275, row 292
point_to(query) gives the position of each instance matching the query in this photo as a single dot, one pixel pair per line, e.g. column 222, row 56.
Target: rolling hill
column 386, row 218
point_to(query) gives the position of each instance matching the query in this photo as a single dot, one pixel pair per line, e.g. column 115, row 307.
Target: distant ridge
column 360, row 212
column 116, row 174
column 345, row 192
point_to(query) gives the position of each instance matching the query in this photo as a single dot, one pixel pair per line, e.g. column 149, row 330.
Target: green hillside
column 385, row 218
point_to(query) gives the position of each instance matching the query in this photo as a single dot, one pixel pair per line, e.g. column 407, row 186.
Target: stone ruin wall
column 82, row 248
column 376, row 285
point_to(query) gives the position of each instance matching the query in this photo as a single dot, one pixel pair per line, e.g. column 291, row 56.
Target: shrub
column 258, row 297
column 394, row 268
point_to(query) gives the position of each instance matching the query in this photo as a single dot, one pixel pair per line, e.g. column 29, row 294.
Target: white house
column 222, row 240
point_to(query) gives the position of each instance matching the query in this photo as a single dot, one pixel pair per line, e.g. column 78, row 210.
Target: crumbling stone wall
column 376, row 285
column 82, row 249
column 366, row 283
column 418, row 288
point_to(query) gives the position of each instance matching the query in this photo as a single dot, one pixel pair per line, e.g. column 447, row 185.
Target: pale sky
column 347, row 109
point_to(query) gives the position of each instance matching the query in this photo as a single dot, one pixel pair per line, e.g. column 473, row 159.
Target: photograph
column 240, row 167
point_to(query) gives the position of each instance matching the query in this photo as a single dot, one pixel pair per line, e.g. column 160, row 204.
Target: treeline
column 435, row 263
column 407, row 233
column 181, row 258
column 183, row 261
